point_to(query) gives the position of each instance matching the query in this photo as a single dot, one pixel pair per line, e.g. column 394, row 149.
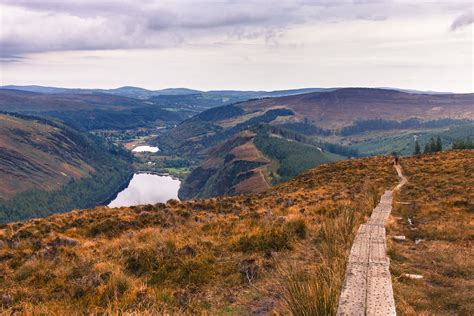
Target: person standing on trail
column 395, row 158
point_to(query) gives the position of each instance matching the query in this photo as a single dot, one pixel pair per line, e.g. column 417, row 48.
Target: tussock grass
column 439, row 203
column 283, row 250
column 315, row 291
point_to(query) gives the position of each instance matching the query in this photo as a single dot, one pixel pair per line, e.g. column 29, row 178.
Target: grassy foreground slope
column 282, row 250
column 436, row 214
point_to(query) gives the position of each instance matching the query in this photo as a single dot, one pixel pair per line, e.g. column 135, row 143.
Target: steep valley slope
column 283, row 250
column 252, row 161
column 47, row 167
column 37, row 155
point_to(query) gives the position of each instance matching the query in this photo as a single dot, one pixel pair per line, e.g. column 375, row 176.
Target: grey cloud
column 463, row 20
column 55, row 25
column 124, row 24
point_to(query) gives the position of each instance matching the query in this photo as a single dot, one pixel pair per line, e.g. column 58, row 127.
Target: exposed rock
column 417, row 241
column 268, row 213
column 289, row 202
column 6, row 300
column 63, row 241
column 399, row 238
column 187, row 251
column 412, row 276
column 248, row 269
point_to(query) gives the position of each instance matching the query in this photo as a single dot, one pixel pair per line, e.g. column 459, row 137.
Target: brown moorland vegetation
column 282, row 250
column 34, row 154
column 435, row 211
column 338, row 108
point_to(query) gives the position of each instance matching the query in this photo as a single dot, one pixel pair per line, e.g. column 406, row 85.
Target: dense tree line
column 435, row 145
column 293, row 157
column 221, row 113
column 306, row 128
column 432, row 146
column 362, row 126
column 290, row 134
column 463, row 144
column 121, row 120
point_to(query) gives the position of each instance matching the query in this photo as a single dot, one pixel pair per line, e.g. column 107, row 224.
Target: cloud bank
column 463, row 20
column 30, row 26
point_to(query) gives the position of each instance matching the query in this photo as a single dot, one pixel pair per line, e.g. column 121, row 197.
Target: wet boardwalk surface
column 367, row 288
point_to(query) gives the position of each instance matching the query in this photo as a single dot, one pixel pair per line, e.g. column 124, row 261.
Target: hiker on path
column 396, row 160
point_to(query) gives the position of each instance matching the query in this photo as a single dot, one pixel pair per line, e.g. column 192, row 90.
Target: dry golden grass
column 282, row 250
column 438, row 200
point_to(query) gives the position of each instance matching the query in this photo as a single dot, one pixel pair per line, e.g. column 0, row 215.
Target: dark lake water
column 147, row 188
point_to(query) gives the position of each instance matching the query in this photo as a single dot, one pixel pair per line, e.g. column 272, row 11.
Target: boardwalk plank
column 367, row 288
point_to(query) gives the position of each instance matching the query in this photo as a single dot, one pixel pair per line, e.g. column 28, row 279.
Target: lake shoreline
column 156, row 173
column 122, row 187
column 145, row 188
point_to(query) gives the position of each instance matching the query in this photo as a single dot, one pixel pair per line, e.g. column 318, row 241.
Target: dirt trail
column 403, row 181
column 367, row 288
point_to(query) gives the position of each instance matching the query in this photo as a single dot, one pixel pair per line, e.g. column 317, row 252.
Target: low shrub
column 298, row 228
column 275, row 239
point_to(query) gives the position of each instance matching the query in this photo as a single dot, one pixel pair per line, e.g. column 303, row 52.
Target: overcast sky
column 238, row 44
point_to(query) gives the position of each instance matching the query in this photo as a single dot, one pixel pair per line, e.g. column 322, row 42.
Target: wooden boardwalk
column 367, row 288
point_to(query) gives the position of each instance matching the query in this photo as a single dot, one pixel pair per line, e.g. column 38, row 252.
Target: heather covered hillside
column 244, row 157
column 283, row 250
column 435, row 212
column 236, row 255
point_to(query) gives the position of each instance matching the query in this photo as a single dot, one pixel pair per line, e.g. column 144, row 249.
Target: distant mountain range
column 319, row 114
column 90, row 111
column 141, row 93
column 122, row 108
column 237, row 159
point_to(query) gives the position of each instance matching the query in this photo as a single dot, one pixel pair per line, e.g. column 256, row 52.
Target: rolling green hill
column 252, row 161
column 336, row 114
